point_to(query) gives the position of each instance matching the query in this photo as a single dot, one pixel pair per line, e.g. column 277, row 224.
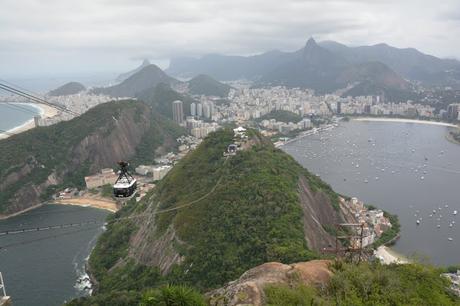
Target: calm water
column 41, row 268
column 11, row 116
column 411, row 169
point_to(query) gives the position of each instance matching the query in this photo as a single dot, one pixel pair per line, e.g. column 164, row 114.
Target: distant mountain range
column 329, row 66
column 408, row 62
column 147, row 79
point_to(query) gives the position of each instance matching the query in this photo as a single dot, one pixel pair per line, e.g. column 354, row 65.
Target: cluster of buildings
column 246, row 103
column 374, row 221
column 203, row 109
column 372, row 105
column 454, row 280
column 157, row 172
column 78, row 103
column 285, row 128
column 106, row 176
column 199, row 128
column 452, row 113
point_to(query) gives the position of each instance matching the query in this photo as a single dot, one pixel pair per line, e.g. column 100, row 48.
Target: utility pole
column 4, row 299
column 355, row 239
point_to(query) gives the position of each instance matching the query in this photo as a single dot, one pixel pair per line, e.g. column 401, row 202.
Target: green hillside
column 282, row 116
column 370, row 284
column 161, row 98
column 229, row 215
column 205, row 85
column 245, row 212
column 27, row 160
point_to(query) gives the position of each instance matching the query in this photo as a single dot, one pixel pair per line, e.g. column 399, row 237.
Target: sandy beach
column 90, row 202
column 388, row 256
column 405, row 121
column 45, row 112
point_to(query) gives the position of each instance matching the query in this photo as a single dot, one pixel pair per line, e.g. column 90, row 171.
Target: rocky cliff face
column 112, row 139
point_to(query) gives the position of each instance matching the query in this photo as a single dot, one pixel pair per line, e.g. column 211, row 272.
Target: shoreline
column 400, row 120
column 104, row 204
column 5, row 217
column 389, row 256
column 45, row 111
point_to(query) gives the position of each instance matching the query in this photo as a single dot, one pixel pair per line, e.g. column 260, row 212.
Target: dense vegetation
column 162, row 133
column 282, row 116
column 51, row 148
column 70, row 88
column 370, row 284
column 251, row 217
column 205, row 85
column 161, row 98
column 164, row 296
column 390, row 235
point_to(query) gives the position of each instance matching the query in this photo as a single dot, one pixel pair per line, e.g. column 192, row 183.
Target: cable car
column 126, row 184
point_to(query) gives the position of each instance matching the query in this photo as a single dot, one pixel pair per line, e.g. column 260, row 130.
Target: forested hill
column 205, row 85
column 38, row 162
column 213, row 217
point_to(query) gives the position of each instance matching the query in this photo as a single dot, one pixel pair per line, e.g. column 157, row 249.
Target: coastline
column 89, row 202
column 4, row 217
column 382, row 119
column 45, row 111
column 450, row 138
column 389, row 256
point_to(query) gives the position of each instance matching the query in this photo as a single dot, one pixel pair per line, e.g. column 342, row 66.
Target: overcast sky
column 63, row 37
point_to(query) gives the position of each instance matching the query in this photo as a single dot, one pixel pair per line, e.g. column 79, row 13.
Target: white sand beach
column 388, row 256
column 45, row 112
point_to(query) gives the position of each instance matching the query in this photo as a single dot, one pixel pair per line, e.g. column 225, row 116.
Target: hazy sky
column 63, row 37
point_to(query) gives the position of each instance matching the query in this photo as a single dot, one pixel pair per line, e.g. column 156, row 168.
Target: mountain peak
column 311, row 43
column 145, row 62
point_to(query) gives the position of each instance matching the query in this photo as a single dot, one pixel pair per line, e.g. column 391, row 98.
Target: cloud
column 56, row 36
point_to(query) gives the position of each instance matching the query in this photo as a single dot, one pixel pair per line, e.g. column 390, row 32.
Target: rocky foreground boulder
column 249, row 288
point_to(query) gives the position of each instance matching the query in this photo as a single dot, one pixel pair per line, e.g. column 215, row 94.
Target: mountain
column 313, row 66
column 246, row 223
column 408, row 62
column 37, row 163
column 161, row 98
column 324, row 71
column 126, row 75
column 70, row 88
column 213, row 217
column 205, row 85
column 225, row 68
column 148, row 77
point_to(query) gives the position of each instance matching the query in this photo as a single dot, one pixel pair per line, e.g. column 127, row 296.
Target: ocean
column 16, row 114
column 42, row 268
column 406, row 169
